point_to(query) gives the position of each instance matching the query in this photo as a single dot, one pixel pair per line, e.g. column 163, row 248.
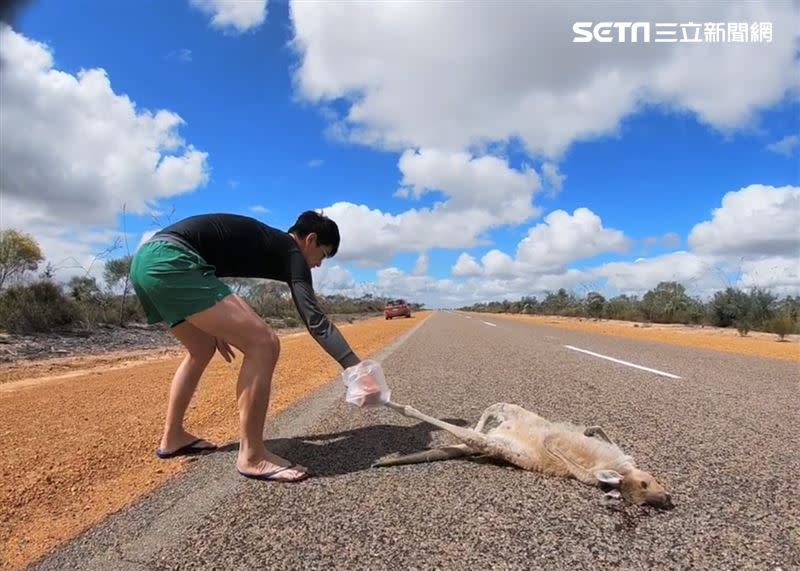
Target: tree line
column 754, row 309
column 44, row 305
column 31, row 302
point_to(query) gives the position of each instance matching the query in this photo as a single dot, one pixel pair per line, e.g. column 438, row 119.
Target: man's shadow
column 351, row 450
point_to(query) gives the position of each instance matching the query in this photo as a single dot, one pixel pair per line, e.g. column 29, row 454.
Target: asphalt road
column 722, row 437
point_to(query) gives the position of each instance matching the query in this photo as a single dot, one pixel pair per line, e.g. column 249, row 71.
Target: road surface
column 719, row 430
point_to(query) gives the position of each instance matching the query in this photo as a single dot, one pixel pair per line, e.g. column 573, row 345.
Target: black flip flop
column 187, row 450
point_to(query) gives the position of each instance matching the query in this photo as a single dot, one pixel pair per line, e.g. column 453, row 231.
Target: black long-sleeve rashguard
column 239, row 246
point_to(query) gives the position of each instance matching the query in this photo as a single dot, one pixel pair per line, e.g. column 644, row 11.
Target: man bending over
column 176, row 277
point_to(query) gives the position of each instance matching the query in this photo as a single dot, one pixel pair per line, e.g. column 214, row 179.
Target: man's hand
column 225, row 350
column 365, row 384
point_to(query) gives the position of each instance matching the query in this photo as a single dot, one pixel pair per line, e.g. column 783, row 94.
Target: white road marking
column 656, row 371
column 492, row 324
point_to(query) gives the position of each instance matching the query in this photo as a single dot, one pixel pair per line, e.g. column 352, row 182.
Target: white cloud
column 785, row 146
column 696, row 273
column 315, row 163
column 422, row 265
column 75, row 153
column 466, row 266
column 564, row 238
column 780, row 275
column 480, row 193
column 548, row 248
column 555, row 180
column 668, row 240
column 234, row 15
column 259, row 209
column 757, row 220
column 486, row 182
column 408, row 78
column 499, row 265
column 333, row 279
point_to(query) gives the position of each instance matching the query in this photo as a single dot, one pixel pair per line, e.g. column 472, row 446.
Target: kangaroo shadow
column 354, row 450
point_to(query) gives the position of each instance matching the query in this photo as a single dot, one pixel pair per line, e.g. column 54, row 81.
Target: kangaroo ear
column 608, row 477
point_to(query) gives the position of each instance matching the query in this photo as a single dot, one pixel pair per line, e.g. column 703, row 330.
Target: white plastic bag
column 366, row 386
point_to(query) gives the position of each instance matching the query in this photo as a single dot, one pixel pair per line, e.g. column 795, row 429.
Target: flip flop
column 187, row 450
column 270, row 476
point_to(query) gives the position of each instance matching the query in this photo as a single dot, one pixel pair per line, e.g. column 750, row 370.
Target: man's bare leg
column 233, row 320
column 200, row 348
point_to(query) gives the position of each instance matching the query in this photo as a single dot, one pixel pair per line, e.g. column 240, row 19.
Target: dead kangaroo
column 525, row 439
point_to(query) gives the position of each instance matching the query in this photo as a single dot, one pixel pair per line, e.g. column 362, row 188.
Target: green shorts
column 173, row 282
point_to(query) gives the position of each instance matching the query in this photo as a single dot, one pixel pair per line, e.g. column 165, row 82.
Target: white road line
column 492, row 324
column 656, row 371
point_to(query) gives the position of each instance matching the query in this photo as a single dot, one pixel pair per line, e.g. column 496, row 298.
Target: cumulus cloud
column 466, row 266
column 548, row 248
column 422, row 265
column 75, row 153
column 757, row 220
column 779, row 275
column 480, row 193
column 407, row 78
column 564, row 238
column 693, row 271
column 234, row 15
column 485, row 182
column 333, row 279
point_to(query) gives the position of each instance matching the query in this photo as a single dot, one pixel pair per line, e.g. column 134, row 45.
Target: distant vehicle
column 396, row 308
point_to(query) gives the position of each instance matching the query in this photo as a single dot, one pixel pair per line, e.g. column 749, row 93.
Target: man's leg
column 234, row 321
column 200, row 348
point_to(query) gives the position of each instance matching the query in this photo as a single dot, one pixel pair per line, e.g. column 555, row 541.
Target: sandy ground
column 79, row 445
column 715, row 338
column 81, row 437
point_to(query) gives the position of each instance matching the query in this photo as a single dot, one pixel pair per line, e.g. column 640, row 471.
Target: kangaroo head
column 637, row 487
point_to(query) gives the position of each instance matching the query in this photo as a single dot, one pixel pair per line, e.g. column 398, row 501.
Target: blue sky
column 468, row 152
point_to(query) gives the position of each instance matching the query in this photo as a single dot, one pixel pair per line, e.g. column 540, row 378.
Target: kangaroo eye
column 644, row 484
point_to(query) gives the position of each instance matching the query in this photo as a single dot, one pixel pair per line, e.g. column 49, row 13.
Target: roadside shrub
column 781, row 325
column 38, row 307
column 743, row 327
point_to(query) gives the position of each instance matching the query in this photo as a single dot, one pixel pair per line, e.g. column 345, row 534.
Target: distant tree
column 623, row 307
column 117, row 271
column 19, row 253
column 667, row 303
column 83, row 288
column 559, row 303
column 729, row 307
column 595, row 303
column 781, row 325
column 762, row 306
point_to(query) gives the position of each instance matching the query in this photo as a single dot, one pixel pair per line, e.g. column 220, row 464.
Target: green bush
column 781, row 325
column 743, row 327
column 38, row 307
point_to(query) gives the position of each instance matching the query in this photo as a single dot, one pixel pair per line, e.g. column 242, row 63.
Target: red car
column 396, row 308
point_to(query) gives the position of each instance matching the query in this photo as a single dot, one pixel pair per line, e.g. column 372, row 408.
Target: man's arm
column 322, row 330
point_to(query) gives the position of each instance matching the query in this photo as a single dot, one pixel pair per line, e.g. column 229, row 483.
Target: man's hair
column 326, row 229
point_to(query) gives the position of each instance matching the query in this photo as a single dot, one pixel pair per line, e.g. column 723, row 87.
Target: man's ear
column 608, row 477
